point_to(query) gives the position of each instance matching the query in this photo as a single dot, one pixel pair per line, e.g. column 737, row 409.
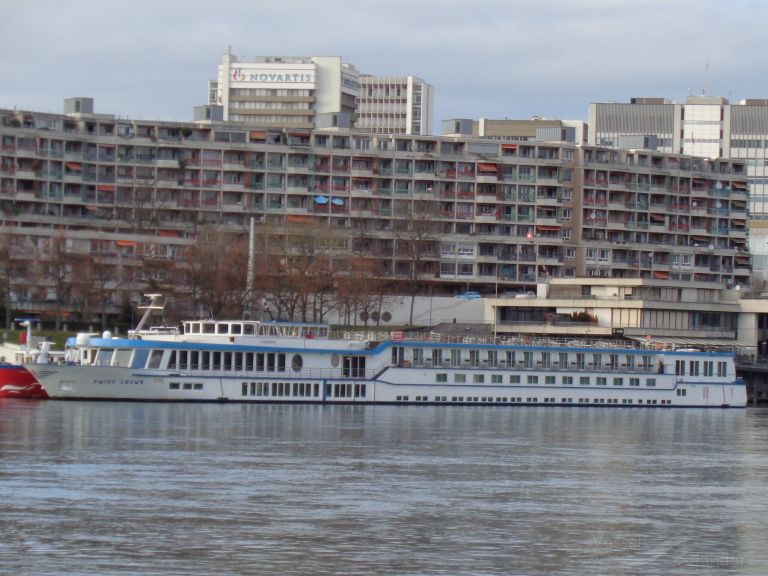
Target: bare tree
column 214, row 272
column 416, row 240
column 57, row 262
column 14, row 272
column 94, row 285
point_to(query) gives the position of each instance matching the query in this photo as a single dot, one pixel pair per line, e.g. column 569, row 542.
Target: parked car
column 469, row 295
column 528, row 294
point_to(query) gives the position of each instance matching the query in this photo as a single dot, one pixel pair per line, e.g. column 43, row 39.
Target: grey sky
column 152, row 59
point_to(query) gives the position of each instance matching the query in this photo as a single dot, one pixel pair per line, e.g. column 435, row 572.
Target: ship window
column 222, row 328
column 154, row 359
column 248, row 329
column 514, row 379
column 634, row 381
column 618, row 381
column 478, row 378
column 533, row 379
column 236, row 329
column 173, row 386
column 104, row 357
column 650, row 382
column 297, row 363
column 441, row 377
column 601, row 380
column 460, row 378
column 496, row 378
column 198, row 385
column 208, row 327
column 549, row 379
column 567, row 380
column 584, row 380
column 187, row 385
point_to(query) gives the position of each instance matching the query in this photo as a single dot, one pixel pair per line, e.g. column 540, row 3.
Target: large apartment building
column 506, row 215
column 394, row 105
column 708, row 126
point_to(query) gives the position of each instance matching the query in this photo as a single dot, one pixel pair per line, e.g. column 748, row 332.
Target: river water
column 156, row 488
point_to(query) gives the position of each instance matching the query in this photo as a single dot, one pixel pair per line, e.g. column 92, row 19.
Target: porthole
column 297, row 362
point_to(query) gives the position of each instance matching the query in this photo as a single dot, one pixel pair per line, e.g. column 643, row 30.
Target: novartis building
column 286, row 92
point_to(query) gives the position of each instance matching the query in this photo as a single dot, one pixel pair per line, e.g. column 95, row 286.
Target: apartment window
column 550, row 380
column 533, row 379
column 460, row 378
column 514, row 379
column 441, row 377
column 567, row 380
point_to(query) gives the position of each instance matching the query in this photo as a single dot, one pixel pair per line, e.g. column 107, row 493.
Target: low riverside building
column 502, row 216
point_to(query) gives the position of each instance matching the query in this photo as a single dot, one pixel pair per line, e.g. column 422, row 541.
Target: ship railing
column 517, row 340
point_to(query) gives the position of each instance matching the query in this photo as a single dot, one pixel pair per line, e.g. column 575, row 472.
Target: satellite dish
column 737, row 287
column 718, row 185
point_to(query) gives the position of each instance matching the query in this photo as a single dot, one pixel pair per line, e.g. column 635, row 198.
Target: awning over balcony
column 657, row 217
column 105, row 188
column 321, row 199
column 739, row 185
column 661, row 275
column 544, row 228
column 486, row 167
column 337, row 202
column 299, row 218
column 74, row 166
column 125, row 243
column 509, row 146
column 257, row 135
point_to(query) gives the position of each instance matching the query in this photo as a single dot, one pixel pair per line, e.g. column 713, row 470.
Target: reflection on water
column 128, row 488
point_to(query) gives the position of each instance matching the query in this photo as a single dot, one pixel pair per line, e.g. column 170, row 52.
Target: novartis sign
column 272, row 76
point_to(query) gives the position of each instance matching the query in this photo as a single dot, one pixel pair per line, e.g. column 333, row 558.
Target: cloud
column 493, row 58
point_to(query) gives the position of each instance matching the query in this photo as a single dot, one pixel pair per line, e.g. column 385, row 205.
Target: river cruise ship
column 251, row 361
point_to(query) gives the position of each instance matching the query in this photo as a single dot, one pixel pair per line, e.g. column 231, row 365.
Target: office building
column 286, row 92
column 394, row 105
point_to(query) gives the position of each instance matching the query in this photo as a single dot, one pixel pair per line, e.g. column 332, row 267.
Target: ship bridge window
column 140, row 358
column 222, row 328
column 209, row 328
column 236, row 329
column 122, row 358
column 248, row 329
column 154, row 359
column 104, row 356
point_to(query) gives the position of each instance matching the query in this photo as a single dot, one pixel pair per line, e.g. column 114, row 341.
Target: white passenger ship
column 249, row 361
